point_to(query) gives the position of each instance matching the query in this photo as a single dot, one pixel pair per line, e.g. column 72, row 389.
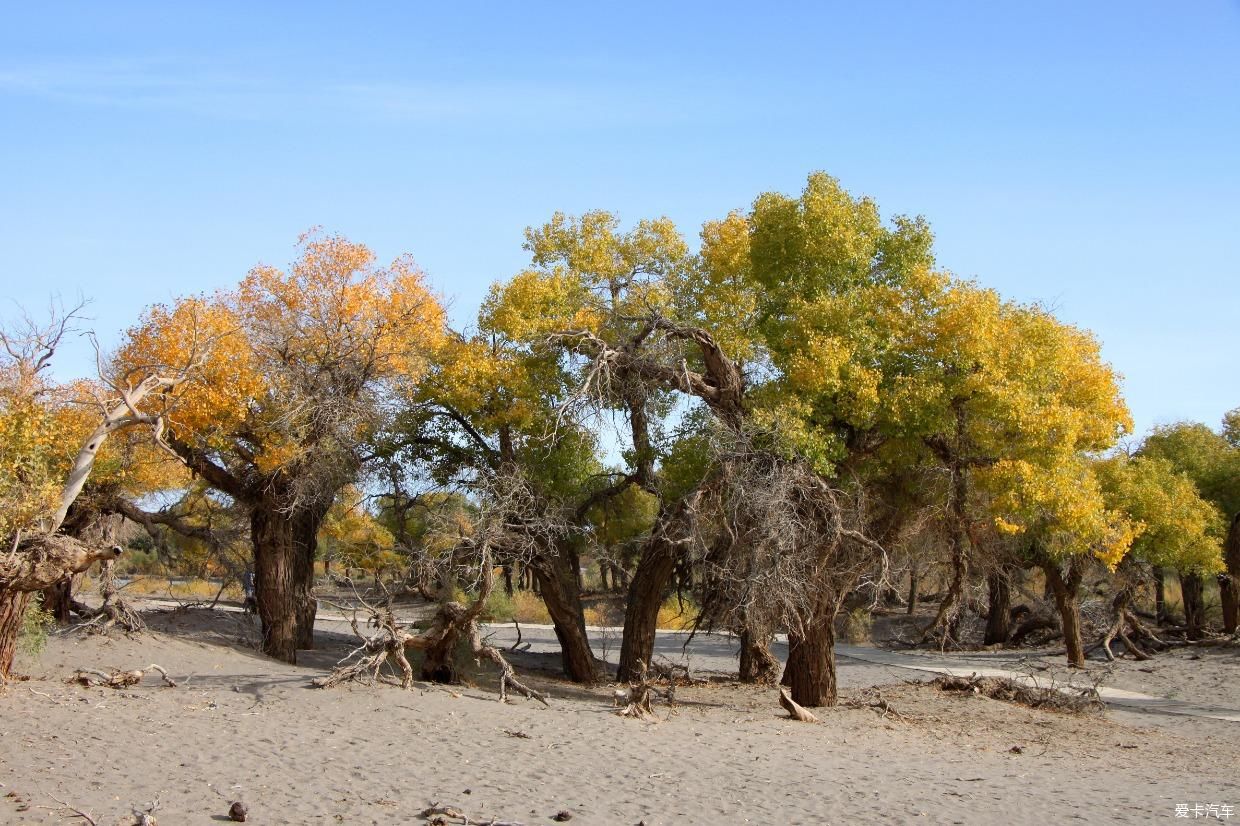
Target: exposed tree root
column 119, row 679
column 392, row 640
column 795, row 710
column 640, row 693
column 508, row 676
column 114, row 612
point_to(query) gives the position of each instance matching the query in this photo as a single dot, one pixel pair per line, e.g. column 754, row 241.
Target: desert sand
column 240, row 726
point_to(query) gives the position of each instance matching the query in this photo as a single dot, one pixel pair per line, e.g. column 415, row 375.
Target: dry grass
column 191, row 589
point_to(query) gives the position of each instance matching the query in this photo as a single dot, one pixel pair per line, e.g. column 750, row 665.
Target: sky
column 1083, row 155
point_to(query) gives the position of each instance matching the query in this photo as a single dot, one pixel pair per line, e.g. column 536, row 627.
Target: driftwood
column 794, row 709
column 119, row 679
column 1139, row 641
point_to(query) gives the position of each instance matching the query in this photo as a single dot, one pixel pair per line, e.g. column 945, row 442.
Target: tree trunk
column 602, row 576
column 508, row 579
column 284, row 545
column 1192, row 587
column 58, row 601
column 619, row 578
column 950, row 609
column 810, row 674
column 758, row 664
column 998, row 617
column 13, row 606
column 557, row 580
column 641, row 613
column 1068, row 601
column 1229, row 582
column 914, row 588
column 1160, row 595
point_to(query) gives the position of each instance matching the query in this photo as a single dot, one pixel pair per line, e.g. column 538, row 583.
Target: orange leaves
column 287, row 346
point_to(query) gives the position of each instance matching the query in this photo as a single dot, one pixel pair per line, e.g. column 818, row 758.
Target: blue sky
column 1086, row 155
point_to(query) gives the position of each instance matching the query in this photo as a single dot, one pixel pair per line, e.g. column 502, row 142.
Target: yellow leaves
column 718, row 293
column 535, row 304
column 354, row 536
column 1179, row 528
column 591, row 248
column 1063, row 505
column 34, row 456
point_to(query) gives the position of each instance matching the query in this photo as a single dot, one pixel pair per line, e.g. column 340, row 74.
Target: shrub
column 529, row 607
column 857, row 624
column 32, row 637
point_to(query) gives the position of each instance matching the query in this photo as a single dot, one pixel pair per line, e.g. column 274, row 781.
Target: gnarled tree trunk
column 1068, row 600
column 557, row 581
column 284, row 546
column 758, row 664
column 646, row 589
column 641, row 613
column 13, row 606
column 810, row 673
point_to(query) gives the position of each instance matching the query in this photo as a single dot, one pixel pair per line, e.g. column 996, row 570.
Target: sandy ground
column 241, row 726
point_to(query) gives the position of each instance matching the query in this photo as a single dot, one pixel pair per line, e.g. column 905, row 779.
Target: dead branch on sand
column 438, row 815
column 1011, row 691
column 119, row 679
column 795, row 711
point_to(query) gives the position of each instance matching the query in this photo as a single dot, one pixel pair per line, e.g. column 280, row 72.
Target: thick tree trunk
column 1068, row 602
column 557, row 580
column 758, row 664
column 602, row 576
column 284, row 546
column 810, row 674
column 998, row 617
column 914, row 588
column 508, row 579
column 275, row 583
column 1192, row 586
column 1229, row 582
column 306, row 524
column 641, row 613
column 13, row 606
column 42, row 561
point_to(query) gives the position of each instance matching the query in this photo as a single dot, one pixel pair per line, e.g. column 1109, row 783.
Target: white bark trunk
column 117, row 416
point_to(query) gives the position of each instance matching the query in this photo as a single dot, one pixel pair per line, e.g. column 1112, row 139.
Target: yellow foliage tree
column 295, row 383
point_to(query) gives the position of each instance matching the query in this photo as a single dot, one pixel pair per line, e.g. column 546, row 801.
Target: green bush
column 36, row 624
